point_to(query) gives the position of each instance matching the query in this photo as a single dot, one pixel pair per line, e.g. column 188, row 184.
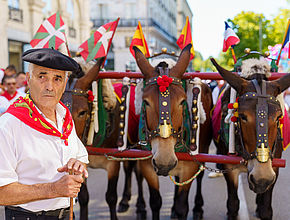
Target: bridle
column 262, row 151
column 164, row 128
column 67, row 99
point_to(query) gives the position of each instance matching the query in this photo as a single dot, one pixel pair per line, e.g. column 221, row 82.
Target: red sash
column 25, row 111
column 8, row 96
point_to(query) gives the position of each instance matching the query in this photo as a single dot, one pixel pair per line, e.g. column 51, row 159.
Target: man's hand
column 76, row 166
column 67, row 186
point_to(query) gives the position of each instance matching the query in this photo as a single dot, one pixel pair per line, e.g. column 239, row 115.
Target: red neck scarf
column 25, row 111
column 8, row 96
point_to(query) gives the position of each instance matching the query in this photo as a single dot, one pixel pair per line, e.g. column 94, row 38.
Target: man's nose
column 49, row 85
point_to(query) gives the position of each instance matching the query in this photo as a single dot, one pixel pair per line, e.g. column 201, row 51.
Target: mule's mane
column 254, row 66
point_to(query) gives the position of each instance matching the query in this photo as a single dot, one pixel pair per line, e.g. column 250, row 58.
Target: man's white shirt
column 5, row 103
column 30, row 157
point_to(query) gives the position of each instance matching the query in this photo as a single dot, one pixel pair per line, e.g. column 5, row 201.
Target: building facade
column 20, row 19
column 161, row 21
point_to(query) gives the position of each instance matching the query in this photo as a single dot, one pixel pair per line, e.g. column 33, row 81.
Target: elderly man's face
column 10, row 85
column 46, row 86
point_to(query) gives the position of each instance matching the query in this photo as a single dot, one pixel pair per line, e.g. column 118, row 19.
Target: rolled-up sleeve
column 8, row 160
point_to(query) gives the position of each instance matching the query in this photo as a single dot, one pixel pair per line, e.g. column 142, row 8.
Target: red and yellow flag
column 185, row 38
column 139, row 41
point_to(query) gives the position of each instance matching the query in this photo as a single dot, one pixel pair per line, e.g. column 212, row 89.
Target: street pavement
column 214, row 193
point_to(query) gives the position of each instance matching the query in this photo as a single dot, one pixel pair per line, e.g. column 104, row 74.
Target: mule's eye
column 182, row 102
column 82, row 113
column 146, row 102
column 243, row 117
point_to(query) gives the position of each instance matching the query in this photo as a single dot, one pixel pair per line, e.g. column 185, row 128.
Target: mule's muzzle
column 163, row 170
column 260, row 185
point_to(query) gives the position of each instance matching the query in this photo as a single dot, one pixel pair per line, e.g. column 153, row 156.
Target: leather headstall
column 262, row 152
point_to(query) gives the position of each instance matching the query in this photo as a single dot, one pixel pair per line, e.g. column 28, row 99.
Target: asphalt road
column 214, row 192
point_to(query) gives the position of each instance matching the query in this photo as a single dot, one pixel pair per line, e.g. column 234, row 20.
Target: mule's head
column 163, row 109
column 257, row 124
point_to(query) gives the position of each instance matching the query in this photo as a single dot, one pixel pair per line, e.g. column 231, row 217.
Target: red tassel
column 234, row 119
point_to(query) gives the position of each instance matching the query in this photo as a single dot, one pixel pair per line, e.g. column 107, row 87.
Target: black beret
column 50, row 58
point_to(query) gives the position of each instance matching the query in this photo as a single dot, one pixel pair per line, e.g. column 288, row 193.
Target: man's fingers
column 71, row 163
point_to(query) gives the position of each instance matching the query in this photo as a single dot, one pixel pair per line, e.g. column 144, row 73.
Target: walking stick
column 71, row 203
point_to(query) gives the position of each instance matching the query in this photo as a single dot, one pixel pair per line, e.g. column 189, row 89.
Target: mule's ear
column 234, row 80
column 86, row 81
column 182, row 63
column 143, row 64
column 280, row 85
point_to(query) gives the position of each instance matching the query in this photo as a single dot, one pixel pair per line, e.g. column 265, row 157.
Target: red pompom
column 162, row 88
column 230, row 105
column 234, row 119
column 281, row 120
column 90, row 96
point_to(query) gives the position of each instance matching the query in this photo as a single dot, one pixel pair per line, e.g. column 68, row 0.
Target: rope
column 201, row 168
column 127, row 158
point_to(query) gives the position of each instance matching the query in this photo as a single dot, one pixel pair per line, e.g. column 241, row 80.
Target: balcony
column 133, row 23
column 16, row 14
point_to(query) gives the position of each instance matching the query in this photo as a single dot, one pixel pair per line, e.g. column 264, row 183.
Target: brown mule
column 163, row 135
column 258, row 138
column 81, row 114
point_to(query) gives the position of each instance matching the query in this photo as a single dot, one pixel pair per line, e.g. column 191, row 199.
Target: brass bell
column 267, row 53
column 164, row 50
column 194, row 126
column 247, row 51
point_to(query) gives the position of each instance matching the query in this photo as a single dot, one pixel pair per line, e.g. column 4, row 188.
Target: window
column 13, row 3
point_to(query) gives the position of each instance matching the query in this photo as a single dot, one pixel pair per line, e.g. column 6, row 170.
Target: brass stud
column 162, row 118
column 123, row 99
column 194, row 110
column 121, row 125
column 194, row 102
column 196, row 118
column 192, row 140
column 122, row 116
column 164, row 103
column 122, row 108
column 265, row 135
column 194, row 126
column 259, row 135
column 121, row 132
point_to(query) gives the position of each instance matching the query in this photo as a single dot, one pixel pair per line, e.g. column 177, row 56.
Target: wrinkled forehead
column 10, row 80
column 36, row 69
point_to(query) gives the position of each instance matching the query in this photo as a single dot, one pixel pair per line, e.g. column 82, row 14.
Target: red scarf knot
column 164, row 82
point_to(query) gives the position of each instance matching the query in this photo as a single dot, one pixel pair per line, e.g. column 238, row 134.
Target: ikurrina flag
column 286, row 39
column 230, row 38
column 98, row 44
column 185, row 38
column 139, row 41
column 50, row 33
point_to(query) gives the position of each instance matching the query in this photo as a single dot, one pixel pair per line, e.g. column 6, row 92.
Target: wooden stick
column 71, row 203
column 233, row 54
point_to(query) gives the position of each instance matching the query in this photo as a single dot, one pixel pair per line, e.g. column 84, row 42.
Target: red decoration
column 164, row 82
column 230, row 105
column 234, row 119
column 90, row 96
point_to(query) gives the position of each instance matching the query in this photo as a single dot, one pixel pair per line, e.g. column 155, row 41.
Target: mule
column 257, row 134
column 76, row 98
column 164, row 124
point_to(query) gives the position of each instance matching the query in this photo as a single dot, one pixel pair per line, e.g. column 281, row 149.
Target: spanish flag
column 185, row 38
column 139, row 41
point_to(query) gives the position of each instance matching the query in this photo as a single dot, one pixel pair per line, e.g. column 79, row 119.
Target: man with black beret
column 39, row 145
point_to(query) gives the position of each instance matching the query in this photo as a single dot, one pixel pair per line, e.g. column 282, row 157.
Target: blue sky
column 209, row 16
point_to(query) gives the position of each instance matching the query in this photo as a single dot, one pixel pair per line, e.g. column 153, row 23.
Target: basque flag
column 230, row 38
column 287, row 39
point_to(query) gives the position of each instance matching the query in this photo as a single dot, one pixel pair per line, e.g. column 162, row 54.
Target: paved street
column 214, row 192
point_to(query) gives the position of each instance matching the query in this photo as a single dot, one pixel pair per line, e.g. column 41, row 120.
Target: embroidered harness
column 262, row 151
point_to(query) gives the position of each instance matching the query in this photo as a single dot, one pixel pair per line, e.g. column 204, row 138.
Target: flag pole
column 68, row 52
column 233, row 54
column 279, row 56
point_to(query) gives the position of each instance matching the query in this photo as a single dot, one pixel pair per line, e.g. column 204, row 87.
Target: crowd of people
column 12, row 85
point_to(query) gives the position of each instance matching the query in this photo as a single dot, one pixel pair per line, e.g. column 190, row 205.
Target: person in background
column 10, row 94
column 21, row 83
column 2, row 73
column 10, row 70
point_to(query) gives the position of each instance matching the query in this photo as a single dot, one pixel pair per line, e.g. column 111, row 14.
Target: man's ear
column 27, row 76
